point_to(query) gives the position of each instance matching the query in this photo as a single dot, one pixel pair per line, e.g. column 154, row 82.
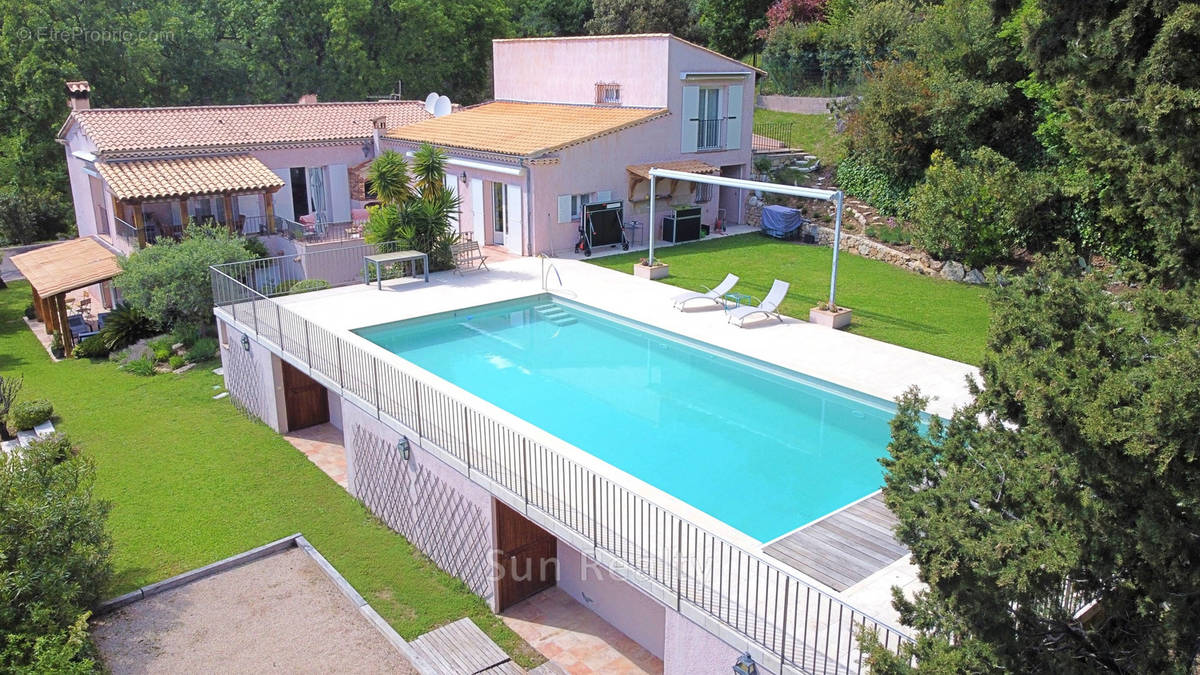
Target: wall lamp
column 745, row 665
column 464, row 176
column 245, row 342
column 403, row 448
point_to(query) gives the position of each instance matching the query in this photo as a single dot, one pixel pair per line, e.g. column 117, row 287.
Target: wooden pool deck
column 843, row 548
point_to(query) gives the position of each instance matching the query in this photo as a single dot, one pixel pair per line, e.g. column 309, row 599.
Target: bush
column 857, row 177
column 161, row 346
column 29, row 414
column 186, row 334
column 170, row 282
column 55, row 560
column 176, row 362
column 143, row 367
column 889, row 234
column 124, row 326
column 30, row 312
column 204, row 349
column 27, row 215
column 308, row 285
column 977, row 212
column 91, row 347
column 254, row 247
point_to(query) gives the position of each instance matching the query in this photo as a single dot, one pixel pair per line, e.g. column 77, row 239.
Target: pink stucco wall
column 567, row 70
column 691, row 650
column 624, row 607
column 253, row 377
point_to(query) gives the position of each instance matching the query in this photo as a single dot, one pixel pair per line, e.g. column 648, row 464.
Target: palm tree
column 429, row 171
column 389, row 176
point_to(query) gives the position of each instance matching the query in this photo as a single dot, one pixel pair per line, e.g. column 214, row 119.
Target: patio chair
column 769, row 305
column 715, row 295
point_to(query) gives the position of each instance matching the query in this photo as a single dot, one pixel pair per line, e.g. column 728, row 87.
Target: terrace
column 713, row 574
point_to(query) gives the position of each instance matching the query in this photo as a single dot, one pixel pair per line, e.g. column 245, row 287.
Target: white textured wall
column 691, row 650
column 624, row 607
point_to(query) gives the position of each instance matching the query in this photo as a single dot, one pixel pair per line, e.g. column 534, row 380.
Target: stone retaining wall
column 805, row 105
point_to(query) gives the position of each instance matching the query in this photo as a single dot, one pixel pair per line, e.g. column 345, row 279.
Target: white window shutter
column 477, row 223
column 603, row 196
column 283, row 196
column 733, row 118
column 514, row 212
column 691, row 118
column 339, row 193
column 451, row 183
column 564, row 208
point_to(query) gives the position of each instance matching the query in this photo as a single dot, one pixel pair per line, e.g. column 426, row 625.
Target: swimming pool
column 762, row 449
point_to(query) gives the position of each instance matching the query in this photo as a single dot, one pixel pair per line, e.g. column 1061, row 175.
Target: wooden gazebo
column 53, row 271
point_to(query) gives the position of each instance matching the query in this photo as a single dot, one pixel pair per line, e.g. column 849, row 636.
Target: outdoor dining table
column 379, row 259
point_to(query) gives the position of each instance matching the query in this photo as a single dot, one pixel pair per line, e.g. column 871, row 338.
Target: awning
column 639, row 173
column 64, row 267
column 184, row 177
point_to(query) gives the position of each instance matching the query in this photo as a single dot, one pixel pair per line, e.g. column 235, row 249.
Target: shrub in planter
column 29, row 414
column 308, row 285
column 91, row 347
column 203, row 350
column 143, row 367
column 56, row 344
column 30, row 313
column 177, row 362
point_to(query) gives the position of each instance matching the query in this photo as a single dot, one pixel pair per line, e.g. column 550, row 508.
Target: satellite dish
column 442, row 107
column 430, row 101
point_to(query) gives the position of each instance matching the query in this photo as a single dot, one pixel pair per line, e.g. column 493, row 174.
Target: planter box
column 659, row 271
column 822, row 317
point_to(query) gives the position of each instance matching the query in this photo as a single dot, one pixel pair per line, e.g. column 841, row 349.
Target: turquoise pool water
column 762, row 449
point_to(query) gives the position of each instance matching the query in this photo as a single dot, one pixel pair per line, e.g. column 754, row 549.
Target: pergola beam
column 835, row 197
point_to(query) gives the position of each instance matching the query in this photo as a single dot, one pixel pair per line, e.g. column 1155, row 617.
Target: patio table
column 379, row 259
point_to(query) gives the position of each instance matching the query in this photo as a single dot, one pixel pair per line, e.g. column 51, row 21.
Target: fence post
column 467, row 437
column 678, row 563
column 375, row 371
column 279, row 326
column 525, row 471
column 307, row 346
column 341, row 378
column 787, row 587
column 595, row 513
column 417, row 407
column 254, row 309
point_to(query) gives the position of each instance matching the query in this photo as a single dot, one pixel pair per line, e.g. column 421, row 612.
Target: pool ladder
column 546, row 272
column 555, row 314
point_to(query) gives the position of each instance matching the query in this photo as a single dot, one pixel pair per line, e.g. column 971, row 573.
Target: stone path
column 323, row 445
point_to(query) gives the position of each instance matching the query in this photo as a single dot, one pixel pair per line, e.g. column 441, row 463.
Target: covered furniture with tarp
column 55, row 270
column 782, row 222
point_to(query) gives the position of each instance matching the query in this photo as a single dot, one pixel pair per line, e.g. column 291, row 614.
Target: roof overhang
column 140, row 180
column 61, row 268
column 715, row 76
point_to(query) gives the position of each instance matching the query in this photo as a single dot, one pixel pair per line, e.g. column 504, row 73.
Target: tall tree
column 616, row 17
column 1077, row 462
column 732, row 26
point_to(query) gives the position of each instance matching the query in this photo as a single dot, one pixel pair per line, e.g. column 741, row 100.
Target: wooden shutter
column 733, row 118
column 691, row 118
column 564, row 208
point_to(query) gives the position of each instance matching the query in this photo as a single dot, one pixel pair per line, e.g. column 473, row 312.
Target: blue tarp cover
column 780, row 221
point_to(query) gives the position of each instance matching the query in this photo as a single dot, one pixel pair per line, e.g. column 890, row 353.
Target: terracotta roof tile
column 160, row 178
column 67, row 266
column 121, row 130
column 524, row 129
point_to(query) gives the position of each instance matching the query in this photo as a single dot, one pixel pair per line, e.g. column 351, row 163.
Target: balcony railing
column 673, row 559
column 708, row 135
column 125, row 236
column 319, row 233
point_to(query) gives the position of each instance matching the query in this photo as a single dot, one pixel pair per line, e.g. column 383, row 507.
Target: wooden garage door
column 527, row 557
column 306, row 400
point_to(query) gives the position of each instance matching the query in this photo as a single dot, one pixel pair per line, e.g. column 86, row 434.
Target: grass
column 890, row 304
column 814, row 133
column 192, row 481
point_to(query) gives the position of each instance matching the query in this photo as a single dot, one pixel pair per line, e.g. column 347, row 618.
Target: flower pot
column 658, row 271
column 838, row 318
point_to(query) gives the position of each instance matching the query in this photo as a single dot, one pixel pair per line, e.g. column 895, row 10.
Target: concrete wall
column 624, row 607
column 254, row 379
column 804, row 105
column 691, row 650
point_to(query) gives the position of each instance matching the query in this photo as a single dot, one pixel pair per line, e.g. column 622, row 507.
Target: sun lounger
column 769, row 306
column 716, row 295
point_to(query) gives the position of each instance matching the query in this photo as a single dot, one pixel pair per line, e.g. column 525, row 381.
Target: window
column 608, row 93
column 703, row 193
column 708, row 132
column 577, row 204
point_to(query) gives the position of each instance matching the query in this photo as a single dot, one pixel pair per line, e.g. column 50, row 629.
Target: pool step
column 555, row 314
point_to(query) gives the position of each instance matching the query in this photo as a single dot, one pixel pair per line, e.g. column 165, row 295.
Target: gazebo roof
column 64, row 267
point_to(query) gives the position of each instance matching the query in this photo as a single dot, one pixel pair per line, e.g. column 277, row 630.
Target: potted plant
column 831, row 316
column 643, row 269
column 56, row 345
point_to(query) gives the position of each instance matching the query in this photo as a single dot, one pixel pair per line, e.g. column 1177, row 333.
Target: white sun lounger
column 716, row 295
column 769, row 306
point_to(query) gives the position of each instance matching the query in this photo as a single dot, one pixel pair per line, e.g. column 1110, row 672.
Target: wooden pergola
column 53, row 271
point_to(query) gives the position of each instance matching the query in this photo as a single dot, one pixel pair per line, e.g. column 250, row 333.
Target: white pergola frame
column 836, row 197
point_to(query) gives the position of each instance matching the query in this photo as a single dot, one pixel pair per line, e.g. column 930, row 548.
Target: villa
column 580, row 120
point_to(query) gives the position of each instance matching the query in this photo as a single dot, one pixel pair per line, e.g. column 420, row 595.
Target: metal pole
column 650, row 225
column 838, row 198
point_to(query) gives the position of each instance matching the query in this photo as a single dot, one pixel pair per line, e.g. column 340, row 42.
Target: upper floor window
column 608, row 93
column 708, row 132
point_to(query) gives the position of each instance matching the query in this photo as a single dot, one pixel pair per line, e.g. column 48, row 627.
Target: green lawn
column 889, row 303
column 192, row 480
column 814, row 133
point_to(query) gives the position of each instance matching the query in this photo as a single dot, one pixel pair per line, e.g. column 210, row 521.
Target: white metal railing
column 126, row 236
column 676, row 560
